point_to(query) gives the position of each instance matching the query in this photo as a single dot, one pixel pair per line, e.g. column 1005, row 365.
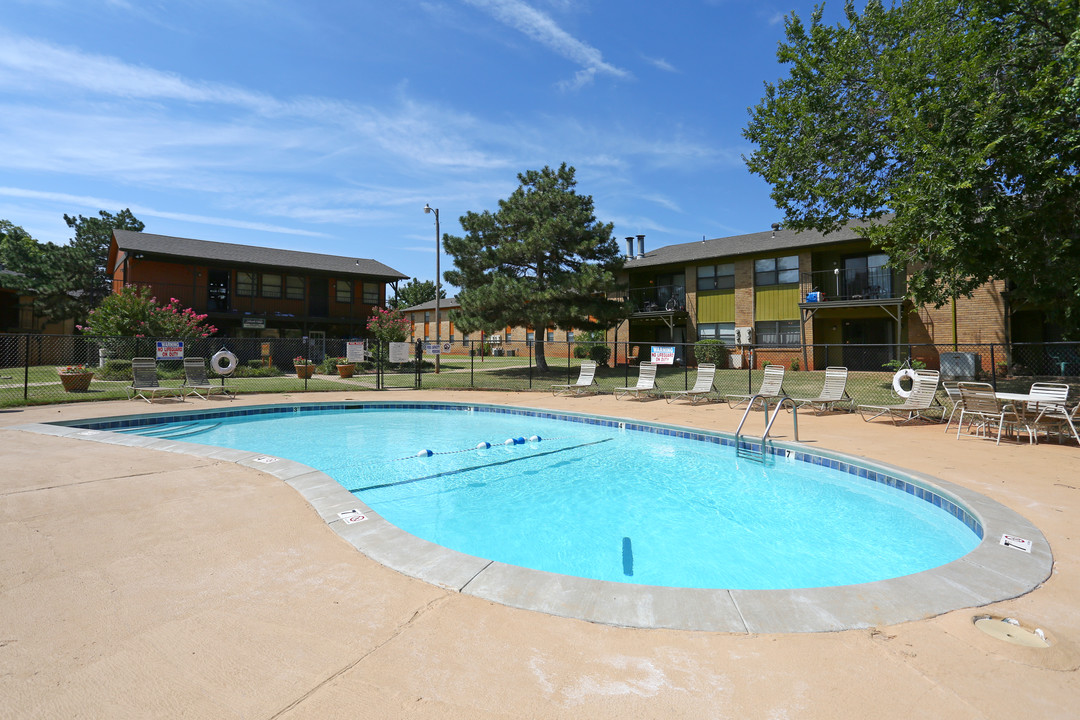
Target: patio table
column 1043, row 405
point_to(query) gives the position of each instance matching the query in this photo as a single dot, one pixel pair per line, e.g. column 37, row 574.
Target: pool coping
column 989, row 573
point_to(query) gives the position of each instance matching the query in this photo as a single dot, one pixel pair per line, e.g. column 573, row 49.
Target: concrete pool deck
column 137, row 583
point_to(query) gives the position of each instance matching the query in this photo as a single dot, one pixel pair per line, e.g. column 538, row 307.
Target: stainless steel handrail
column 769, row 421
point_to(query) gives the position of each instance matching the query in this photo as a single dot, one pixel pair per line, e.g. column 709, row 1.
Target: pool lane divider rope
column 477, row 467
column 483, row 445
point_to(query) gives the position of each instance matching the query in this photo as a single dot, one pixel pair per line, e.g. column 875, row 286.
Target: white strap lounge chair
column 704, row 386
column 586, row 382
column 1048, row 411
column 195, row 380
column 921, row 401
column 833, row 393
column 646, row 383
column 145, row 384
column 982, row 408
column 772, row 385
column 953, row 393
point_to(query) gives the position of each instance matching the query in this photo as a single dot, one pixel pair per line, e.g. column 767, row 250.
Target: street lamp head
column 427, row 208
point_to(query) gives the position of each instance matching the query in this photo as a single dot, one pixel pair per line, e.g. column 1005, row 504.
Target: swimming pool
column 607, row 502
column 983, row 575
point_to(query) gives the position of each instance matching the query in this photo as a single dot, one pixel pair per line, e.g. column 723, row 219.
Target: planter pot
column 77, row 383
column 346, row 371
column 304, row 371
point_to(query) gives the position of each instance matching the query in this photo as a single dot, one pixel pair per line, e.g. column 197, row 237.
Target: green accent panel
column 777, row 302
column 716, row 306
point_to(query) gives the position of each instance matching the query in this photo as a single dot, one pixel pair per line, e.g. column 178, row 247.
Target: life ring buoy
column 900, row 374
column 226, row 367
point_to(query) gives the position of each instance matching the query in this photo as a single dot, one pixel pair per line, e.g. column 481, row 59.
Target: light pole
column 438, row 283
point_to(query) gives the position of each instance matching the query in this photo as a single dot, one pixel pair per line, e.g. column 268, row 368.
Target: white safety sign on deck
column 352, row 516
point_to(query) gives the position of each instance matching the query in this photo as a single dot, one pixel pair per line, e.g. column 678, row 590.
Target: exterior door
column 217, row 290
column 319, row 297
column 868, row 344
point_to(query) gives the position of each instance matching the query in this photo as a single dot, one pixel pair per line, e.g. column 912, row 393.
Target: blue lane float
column 424, row 453
column 483, row 445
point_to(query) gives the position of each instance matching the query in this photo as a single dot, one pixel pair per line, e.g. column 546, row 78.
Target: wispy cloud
column 543, row 29
column 661, row 64
column 93, row 203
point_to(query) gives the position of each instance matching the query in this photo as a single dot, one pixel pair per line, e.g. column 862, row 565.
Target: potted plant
column 304, row 368
column 75, row 378
column 345, row 368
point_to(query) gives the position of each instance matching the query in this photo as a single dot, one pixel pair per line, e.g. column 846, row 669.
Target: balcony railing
column 658, row 299
column 219, row 302
column 855, row 284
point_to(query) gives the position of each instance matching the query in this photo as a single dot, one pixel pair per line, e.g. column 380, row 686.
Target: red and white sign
column 352, row 516
column 170, row 350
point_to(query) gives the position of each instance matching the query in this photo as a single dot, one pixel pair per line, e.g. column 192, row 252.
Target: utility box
column 960, row 365
column 744, row 336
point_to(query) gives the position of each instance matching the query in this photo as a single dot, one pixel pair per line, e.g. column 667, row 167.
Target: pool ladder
column 749, row 452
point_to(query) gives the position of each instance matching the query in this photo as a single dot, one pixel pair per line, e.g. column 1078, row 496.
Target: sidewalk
column 141, row 584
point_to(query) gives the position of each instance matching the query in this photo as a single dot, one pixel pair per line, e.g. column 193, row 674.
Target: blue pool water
column 607, row 503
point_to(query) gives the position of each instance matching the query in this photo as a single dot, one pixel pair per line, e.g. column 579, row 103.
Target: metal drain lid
column 1011, row 631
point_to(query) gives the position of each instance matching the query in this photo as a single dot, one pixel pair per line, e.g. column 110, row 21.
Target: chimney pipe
column 629, row 246
column 641, row 246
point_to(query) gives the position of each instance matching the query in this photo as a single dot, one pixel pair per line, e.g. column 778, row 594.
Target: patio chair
column 772, row 385
column 195, row 380
column 586, row 382
column 918, row 404
column 953, row 393
column 145, row 384
column 982, row 408
column 646, row 383
column 833, row 393
column 1047, row 411
column 704, row 386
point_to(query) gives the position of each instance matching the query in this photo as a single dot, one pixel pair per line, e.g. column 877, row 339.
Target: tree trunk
column 541, row 359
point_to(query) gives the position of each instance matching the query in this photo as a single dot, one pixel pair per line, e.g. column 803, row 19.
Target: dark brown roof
column 232, row 254
column 754, row 243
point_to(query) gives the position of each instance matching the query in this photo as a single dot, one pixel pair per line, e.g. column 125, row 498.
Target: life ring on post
column 900, row 374
column 223, row 362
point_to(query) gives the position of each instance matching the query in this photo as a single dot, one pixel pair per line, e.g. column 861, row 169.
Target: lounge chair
column 981, row 406
column 144, row 382
column 833, row 393
column 195, row 380
column 586, row 382
column 772, row 385
column 646, row 383
column 953, row 393
column 704, row 386
column 918, row 404
column 1047, row 410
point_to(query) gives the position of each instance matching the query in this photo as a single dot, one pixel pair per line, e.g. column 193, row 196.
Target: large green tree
column 541, row 260
column 414, row 293
column 958, row 117
column 66, row 281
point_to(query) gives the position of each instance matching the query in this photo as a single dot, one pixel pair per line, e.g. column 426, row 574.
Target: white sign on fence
column 170, row 349
column 355, row 351
column 662, row 355
column 401, row 352
column 432, row 349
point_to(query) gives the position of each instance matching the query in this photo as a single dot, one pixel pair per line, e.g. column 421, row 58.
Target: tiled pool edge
column 988, row 574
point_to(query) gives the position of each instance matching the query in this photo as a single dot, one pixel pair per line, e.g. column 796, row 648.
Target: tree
column 67, row 281
column 960, row 118
column 135, row 312
column 389, row 325
column 541, row 260
column 414, row 293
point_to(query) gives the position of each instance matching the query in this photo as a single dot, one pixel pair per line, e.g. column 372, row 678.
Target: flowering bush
column 389, row 325
column 301, row 360
column 74, row 370
column 134, row 311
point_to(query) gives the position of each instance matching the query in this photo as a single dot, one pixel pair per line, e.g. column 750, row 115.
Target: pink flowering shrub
column 389, row 325
column 134, row 312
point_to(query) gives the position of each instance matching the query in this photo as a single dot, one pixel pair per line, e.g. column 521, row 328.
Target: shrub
column 115, row 369
column 711, row 351
column 599, row 353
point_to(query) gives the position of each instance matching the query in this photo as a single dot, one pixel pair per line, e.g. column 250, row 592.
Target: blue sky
column 326, row 126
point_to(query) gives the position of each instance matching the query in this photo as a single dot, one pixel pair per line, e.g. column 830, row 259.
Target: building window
column 551, row 336
column 245, row 284
column 294, row 287
column 776, row 271
column 569, row 336
column 371, row 293
column 271, row 285
column 780, row 333
column 343, row 291
column 716, row 277
column 530, row 336
column 724, row 332
column 427, row 317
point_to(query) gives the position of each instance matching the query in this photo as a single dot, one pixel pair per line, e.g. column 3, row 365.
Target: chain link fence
column 31, row 365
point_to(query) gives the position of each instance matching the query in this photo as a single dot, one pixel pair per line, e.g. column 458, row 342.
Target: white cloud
column 661, row 64
column 544, row 30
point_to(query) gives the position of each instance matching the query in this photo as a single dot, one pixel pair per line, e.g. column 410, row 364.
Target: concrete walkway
column 142, row 584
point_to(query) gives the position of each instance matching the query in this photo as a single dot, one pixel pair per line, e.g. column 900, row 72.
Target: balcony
column 658, row 300
column 855, row 285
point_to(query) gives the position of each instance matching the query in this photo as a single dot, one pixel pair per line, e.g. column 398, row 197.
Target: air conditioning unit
column 744, row 336
column 495, row 338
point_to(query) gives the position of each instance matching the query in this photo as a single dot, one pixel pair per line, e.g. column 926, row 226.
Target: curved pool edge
column 990, row 573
